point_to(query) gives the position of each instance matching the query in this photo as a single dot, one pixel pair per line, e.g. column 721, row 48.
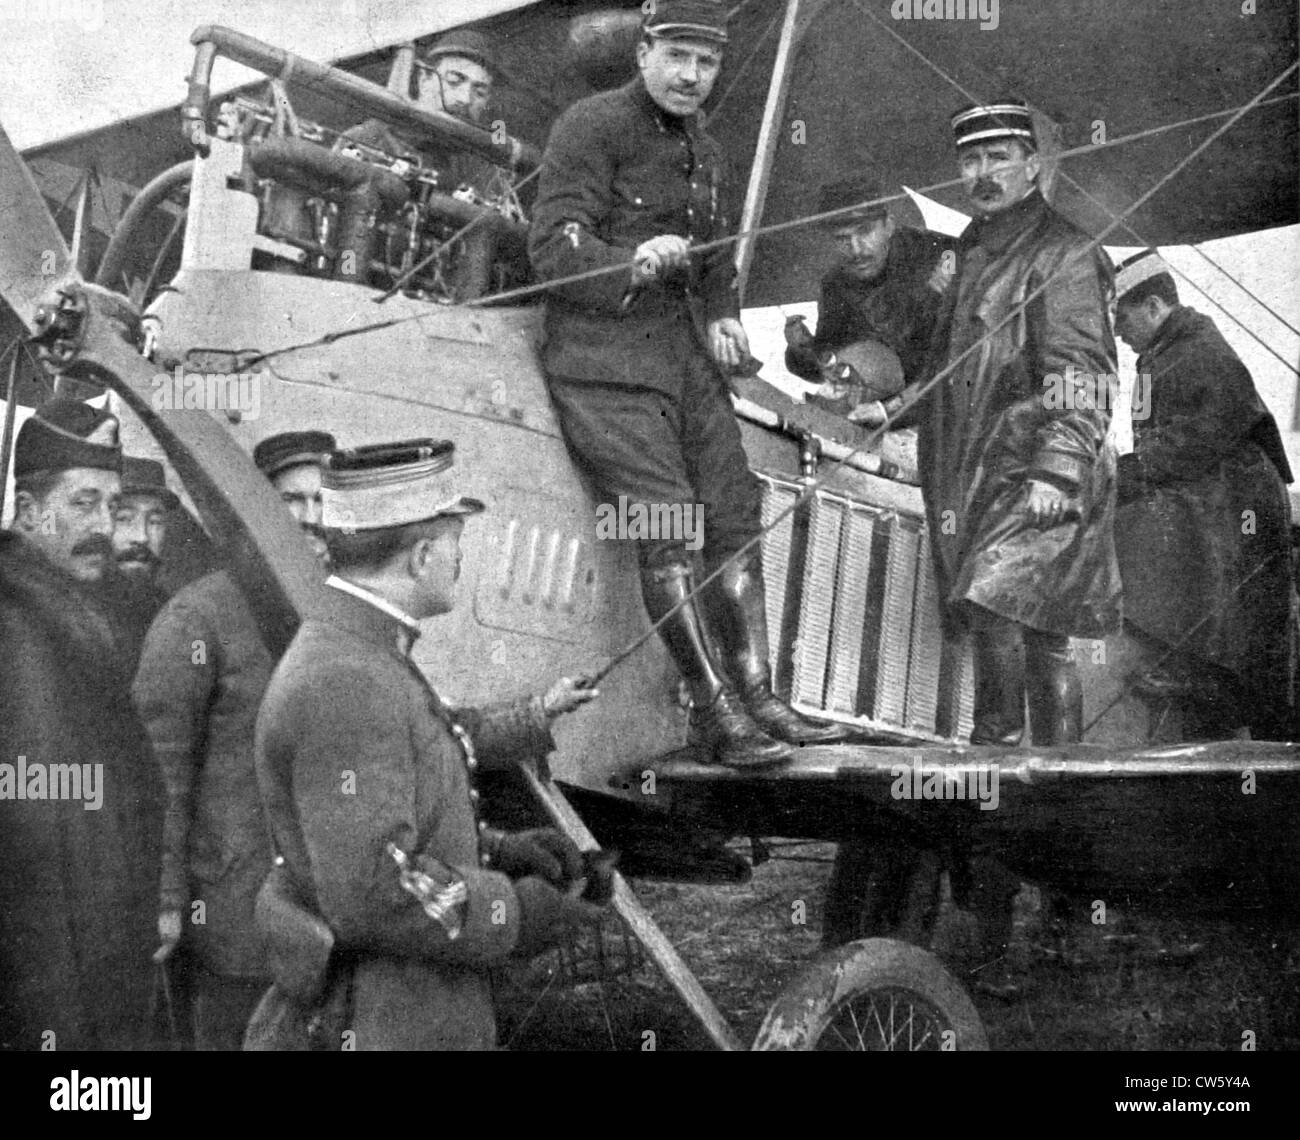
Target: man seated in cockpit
column 456, row 77
column 878, row 304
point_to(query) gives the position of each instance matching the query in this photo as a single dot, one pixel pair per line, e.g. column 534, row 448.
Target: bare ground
column 1133, row 984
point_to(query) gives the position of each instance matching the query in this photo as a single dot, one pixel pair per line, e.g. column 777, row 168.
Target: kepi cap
column 1006, row 118
column 276, row 453
column 687, row 19
column 1139, row 268
column 142, row 476
column 392, row 484
column 65, row 433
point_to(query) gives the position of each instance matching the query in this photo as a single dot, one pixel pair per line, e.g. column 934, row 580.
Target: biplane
column 226, row 263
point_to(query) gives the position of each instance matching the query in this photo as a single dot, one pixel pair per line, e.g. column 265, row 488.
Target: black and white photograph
column 677, row 526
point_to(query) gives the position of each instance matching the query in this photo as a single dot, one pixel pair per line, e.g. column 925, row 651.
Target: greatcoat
column 79, row 889
column 1021, row 398
column 353, row 750
column 1203, row 528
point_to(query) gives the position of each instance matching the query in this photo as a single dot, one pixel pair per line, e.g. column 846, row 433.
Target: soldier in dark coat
column 632, row 359
column 884, row 289
column 80, row 802
column 1203, row 527
column 130, row 588
column 368, row 778
column 200, row 682
column 1018, row 478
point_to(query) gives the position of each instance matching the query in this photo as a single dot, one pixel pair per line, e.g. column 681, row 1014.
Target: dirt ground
column 1133, row 984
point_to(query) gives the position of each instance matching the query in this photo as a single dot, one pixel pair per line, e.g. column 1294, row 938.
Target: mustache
column 94, row 544
column 985, row 186
column 138, row 553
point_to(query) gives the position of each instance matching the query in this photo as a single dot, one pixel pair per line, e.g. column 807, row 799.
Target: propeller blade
column 33, row 255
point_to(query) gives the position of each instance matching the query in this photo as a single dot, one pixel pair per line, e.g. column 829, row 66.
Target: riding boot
column 718, row 718
column 999, row 682
column 738, row 609
column 1055, row 694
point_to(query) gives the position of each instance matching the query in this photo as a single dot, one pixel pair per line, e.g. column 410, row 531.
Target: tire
column 873, row 995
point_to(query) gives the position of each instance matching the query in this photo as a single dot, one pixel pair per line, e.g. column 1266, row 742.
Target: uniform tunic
column 1202, row 532
column 201, row 678
column 355, row 750
column 642, row 406
column 1015, row 405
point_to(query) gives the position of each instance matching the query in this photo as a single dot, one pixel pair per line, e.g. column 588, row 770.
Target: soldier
column 1203, row 527
column 80, row 805
column 1016, row 472
column 633, row 359
column 882, row 295
column 456, row 78
column 368, row 778
column 130, row 587
column 202, row 675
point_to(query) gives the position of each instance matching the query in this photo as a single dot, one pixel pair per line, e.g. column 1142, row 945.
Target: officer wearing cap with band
column 634, row 361
column 1203, row 528
column 203, row 671
column 369, row 779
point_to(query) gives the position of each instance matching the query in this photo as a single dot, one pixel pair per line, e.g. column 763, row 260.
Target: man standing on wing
column 634, row 359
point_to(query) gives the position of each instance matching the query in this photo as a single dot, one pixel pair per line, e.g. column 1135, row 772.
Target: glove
column 543, row 851
column 548, row 917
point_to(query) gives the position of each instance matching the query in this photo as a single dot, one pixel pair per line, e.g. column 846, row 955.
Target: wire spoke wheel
column 876, row 995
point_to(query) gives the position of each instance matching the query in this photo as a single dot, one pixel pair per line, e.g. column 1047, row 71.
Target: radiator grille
column 853, row 617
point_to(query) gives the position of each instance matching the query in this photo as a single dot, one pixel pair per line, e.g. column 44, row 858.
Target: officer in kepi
column 878, row 305
column 635, row 360
column 369, row 784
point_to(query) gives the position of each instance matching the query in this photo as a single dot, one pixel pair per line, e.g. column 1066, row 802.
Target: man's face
column 139, row 527
column 864, row 245
column 679, row 74
column 299, row 489
column 458, row 86
column 997, row 174
column 1137, row 325
column 72, row 525
column 439, row 566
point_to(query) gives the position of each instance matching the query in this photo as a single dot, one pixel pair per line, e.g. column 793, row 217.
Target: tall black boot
column 999, row 681
column 737, row 605
column 1055, row 693
column 718, row 717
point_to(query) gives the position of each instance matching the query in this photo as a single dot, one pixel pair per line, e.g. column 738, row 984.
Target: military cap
column 65, row 433
column 1139, row 269
column 852, row 191
column 687, row 20
column 1007, row 118
column 145, row 477
column 392, row 484
column 467, row 43
column 276, row 453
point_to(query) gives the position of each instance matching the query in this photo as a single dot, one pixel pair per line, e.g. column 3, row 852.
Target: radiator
column 853, row 617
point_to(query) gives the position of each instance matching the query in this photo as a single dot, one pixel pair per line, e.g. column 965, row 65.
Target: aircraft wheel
column 876, row 995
